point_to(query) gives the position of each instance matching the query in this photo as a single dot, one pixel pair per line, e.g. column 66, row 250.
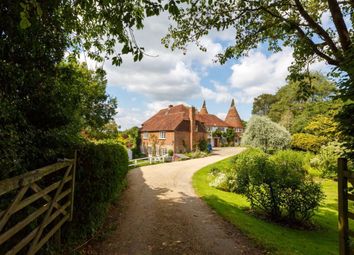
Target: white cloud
column 155, row 106
column 127, row 118
column 168, row 75
column 219, row 93
column 258, row 73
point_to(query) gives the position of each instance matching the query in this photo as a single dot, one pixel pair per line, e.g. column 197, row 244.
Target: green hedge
column 100, row 177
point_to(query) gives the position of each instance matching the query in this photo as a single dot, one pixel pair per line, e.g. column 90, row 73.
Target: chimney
column 192, row 126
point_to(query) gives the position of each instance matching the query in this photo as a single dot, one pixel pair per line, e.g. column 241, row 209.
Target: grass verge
column 275, row 238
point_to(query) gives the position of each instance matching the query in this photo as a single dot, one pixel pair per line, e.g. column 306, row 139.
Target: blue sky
column 169, row 77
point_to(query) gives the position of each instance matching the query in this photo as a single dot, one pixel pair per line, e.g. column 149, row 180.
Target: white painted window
column 162, row 134
column 163, row 151
column 146, row 135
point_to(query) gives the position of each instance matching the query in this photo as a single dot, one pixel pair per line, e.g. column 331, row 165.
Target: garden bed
column 276, row 238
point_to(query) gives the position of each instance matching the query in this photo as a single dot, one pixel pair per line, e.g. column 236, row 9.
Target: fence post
column 343, row 207
column 73, row 186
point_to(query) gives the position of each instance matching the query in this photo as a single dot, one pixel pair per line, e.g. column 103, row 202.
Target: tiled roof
column 169, row 119
column 203, row 110
column 211, row 120
column 177, row 118
column 233, row 118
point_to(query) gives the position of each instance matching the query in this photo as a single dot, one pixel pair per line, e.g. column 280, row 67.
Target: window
column 238, row 130
column 163, row 151
column 146, row 135
column 162, row 134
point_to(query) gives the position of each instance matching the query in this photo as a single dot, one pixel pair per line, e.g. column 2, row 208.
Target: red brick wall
column 167, row 143
column 174, row 141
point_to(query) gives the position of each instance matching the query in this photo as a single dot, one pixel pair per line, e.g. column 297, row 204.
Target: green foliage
column 262, row 104
column 326, row 160
column 283, row 239
column 323, row 126
column 93, row 26
column 197, row 154
column 295, row 113
column 346, row 127
column 100, row 177
column 307, row 142
column 262, row 133
column 130, row 138
column 170, row 152
column 294, row 24
column 203, row 145
column 229, row 135
column 221, row 182
column 43, row 118
column 277, row 185
column 107, row 131
column 217, row 133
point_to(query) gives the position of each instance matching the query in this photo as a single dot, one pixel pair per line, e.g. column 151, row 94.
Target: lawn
column 273, row 237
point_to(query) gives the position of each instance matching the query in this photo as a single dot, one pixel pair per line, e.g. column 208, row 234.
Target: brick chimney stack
column 192, row 126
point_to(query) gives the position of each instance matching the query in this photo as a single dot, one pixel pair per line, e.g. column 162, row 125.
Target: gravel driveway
column 160, row 213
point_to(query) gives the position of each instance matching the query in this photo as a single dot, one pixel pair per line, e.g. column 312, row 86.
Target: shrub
column 170, row 152
column 100, row 175
column 220, row 182
column 265, row 134
column 203, row 145
column 196, row 154
column 277, row 185
column 326, row 160
column 252, row 161
column 307, row 142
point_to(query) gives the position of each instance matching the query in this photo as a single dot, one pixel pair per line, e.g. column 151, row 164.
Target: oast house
column 180, row 128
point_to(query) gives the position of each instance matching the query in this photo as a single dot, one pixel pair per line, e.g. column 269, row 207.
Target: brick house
column 180, row 128
column 213, row 123
column 175, row 128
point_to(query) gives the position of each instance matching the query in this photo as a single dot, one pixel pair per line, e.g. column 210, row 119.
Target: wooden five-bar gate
column 344, row 214
column 34, row 206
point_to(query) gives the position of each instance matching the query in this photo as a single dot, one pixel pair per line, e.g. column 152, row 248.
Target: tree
column 294, row 112
column 262, row 104
column 265, row 134
column 229, row 135
column 293, row 23
column 45, row 102
column 42, row 121
column 95, row 27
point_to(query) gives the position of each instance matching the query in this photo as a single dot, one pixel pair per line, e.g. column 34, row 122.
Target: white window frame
column 146, row 135
column 163, row 151
column 162, row 135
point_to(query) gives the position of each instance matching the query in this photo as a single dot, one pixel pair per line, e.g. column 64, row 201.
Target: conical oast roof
column 232, row 117
column 203, row 110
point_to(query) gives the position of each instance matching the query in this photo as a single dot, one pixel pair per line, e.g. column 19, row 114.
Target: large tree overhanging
column 294, row 23
column 101, row 29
